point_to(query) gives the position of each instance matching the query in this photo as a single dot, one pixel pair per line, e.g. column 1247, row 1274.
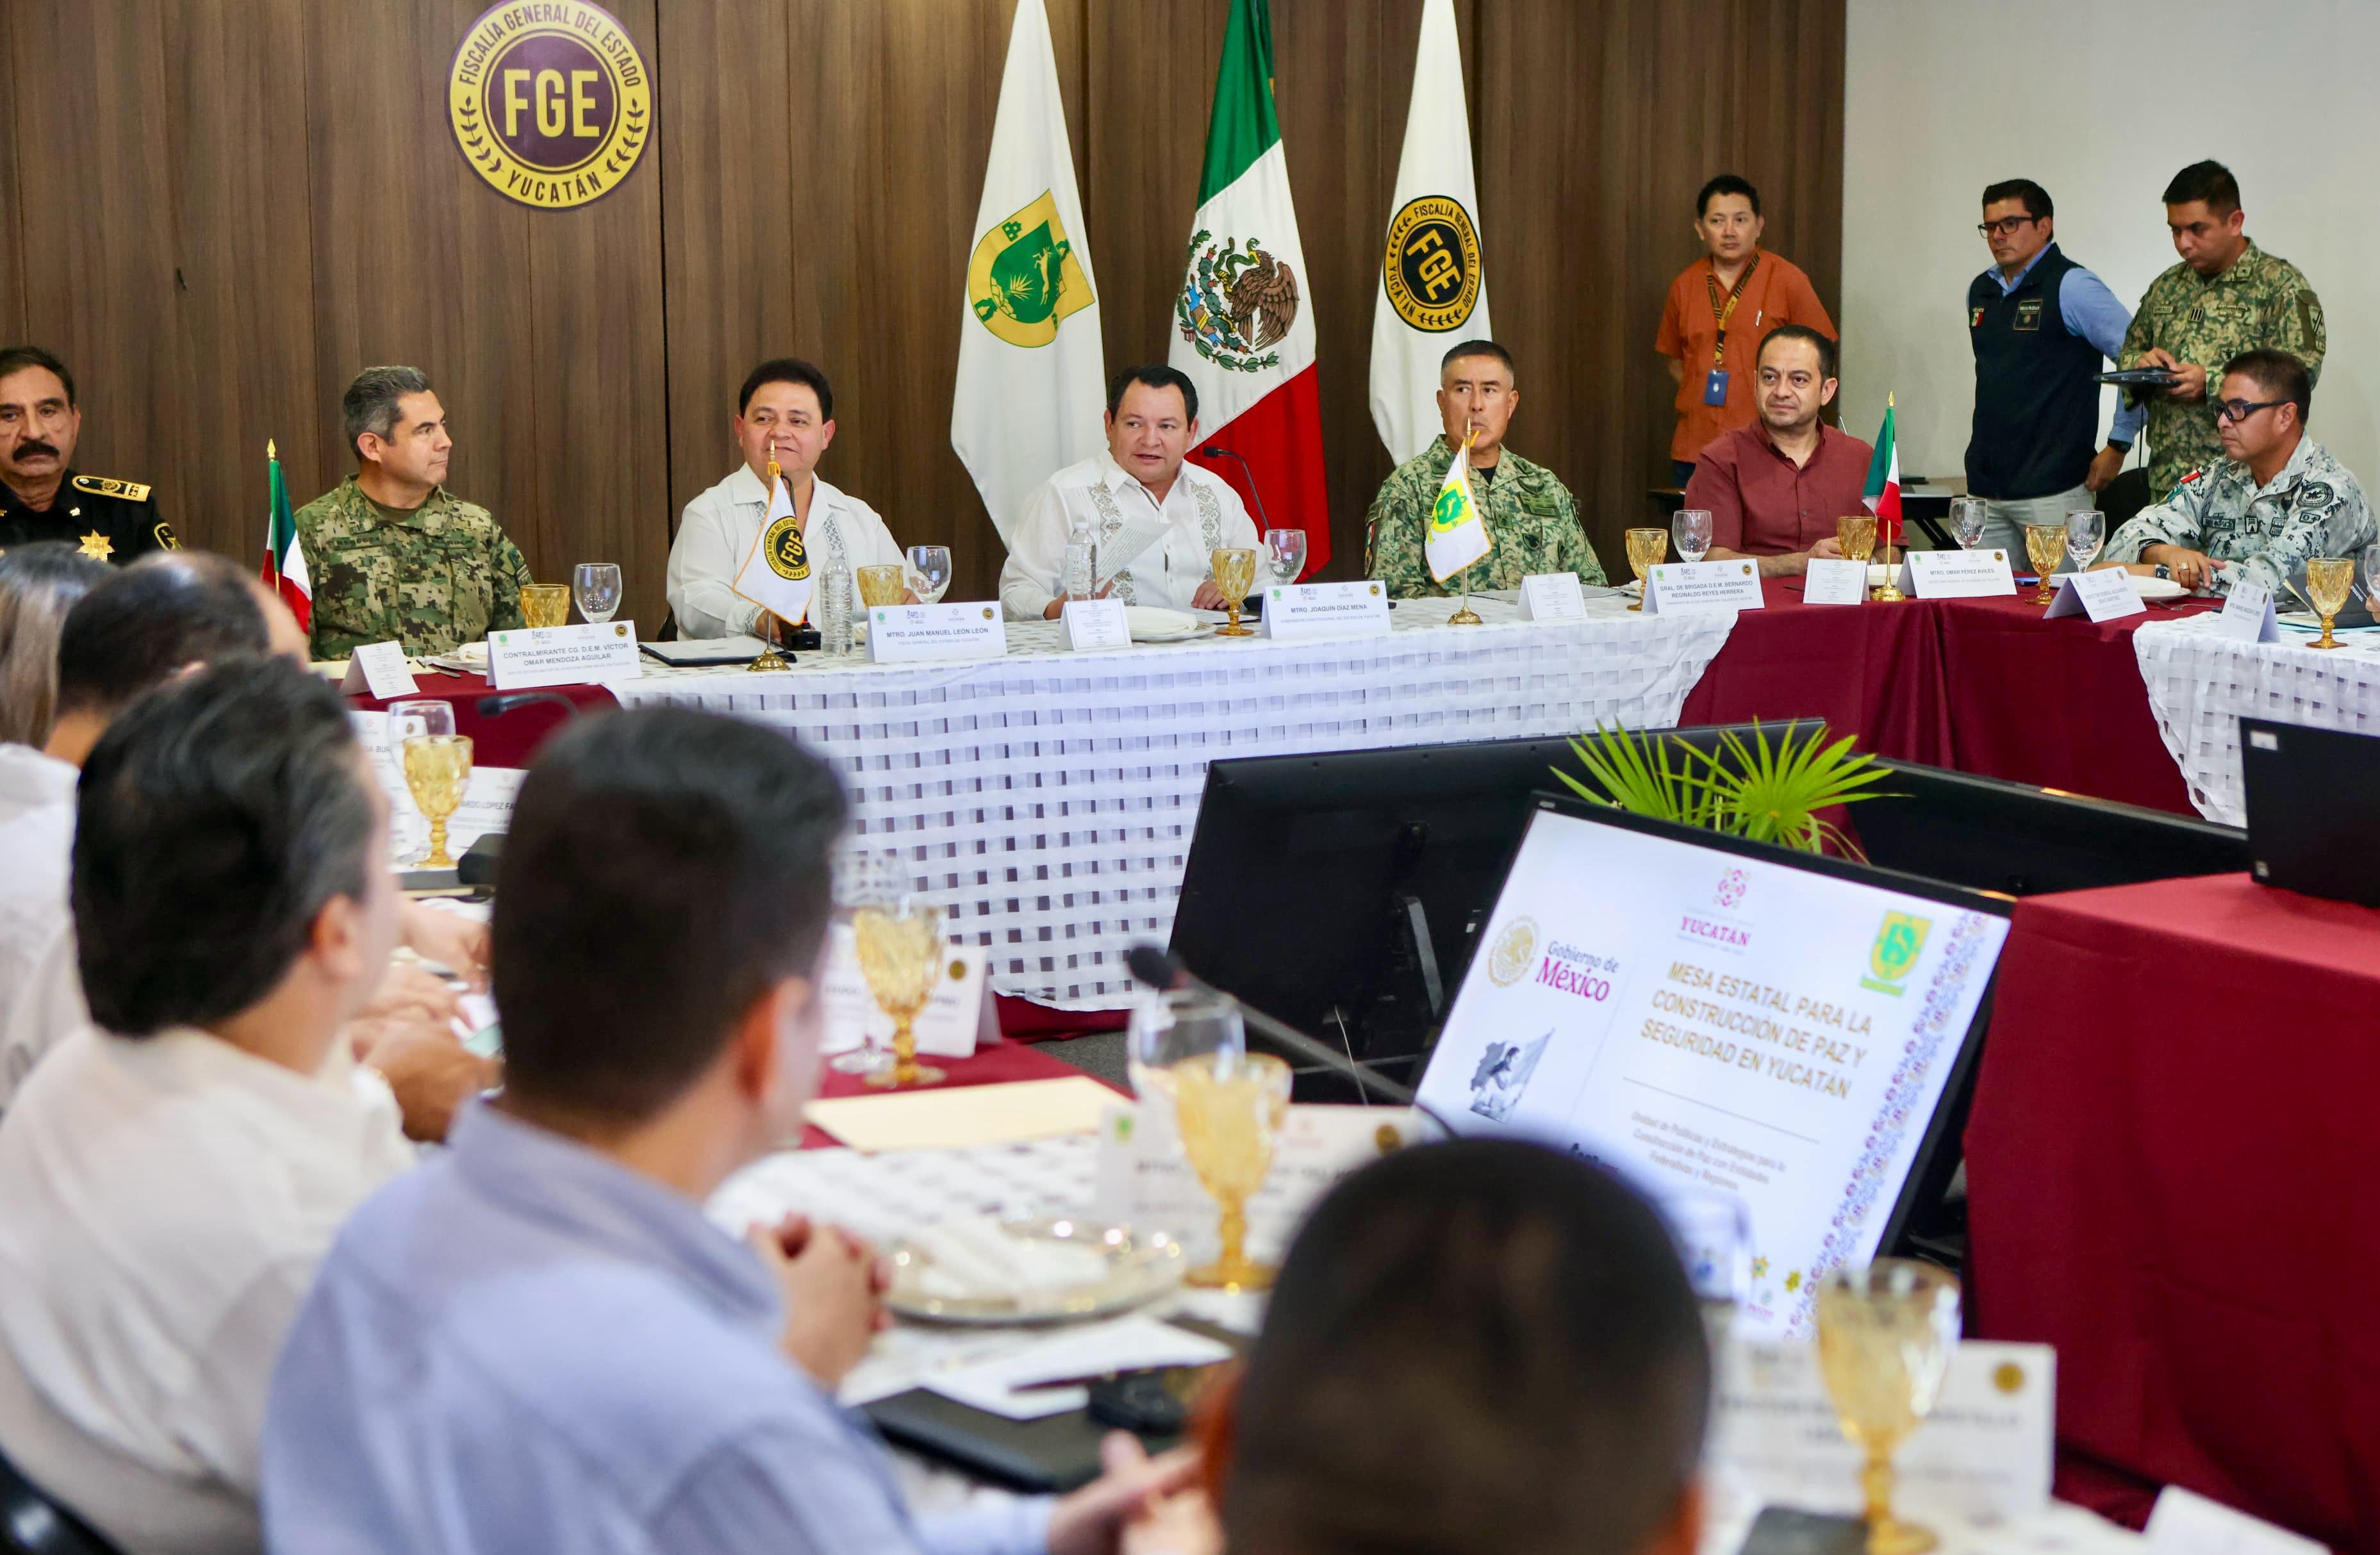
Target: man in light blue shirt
column 2040, row 325
column 537, row 1342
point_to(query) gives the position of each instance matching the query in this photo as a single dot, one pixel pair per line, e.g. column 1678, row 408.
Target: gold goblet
column 1230, row 1107
column 1647, row 547
column 901, row 956
column 883, row 585
column 2330, row 582
column 437, row 763
column 545, row 604
column 1884, row 1337
column 1235, row 574
column 2044, row 547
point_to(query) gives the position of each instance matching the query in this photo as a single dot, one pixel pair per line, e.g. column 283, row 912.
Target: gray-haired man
column 393, row 555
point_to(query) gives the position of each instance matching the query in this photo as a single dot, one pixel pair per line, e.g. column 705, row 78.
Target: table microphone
column 1217, row 451
column 1161, row 969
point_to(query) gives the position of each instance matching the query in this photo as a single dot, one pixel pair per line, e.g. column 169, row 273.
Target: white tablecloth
column 1046, row 799
column 2200, row 685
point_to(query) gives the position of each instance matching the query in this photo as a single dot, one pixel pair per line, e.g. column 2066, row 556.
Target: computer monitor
column 2313, row 797
column 2023, row 840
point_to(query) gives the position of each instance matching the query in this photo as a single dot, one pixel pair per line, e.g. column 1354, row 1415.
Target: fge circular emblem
column 550, row 102
column 1431, row 267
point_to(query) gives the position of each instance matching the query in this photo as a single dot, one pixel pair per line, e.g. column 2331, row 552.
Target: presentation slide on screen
column 1716, row 1025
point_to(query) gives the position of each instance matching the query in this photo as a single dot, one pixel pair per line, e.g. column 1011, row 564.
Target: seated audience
column 2273, row 500
column 394, row 556
column 1138, row 494
column 1774, row 489
column 1477, row 1346
column 537, row 1341
column 1531, row 522
column 39, row 583
column 788, row 407
column 170, row 1175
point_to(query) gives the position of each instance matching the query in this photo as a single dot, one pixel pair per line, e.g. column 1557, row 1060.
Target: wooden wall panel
column 12, row 253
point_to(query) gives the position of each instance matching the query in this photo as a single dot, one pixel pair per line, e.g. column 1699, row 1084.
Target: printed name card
column 1984, row 1452
column 1325, row 610
column 1552, row 595
column 958, row 1016
column 487, row 800
column 535, row 656
column 1835, row 582
column 2249, row 614
column 1088, row 624
column 379, row 670
column 2106, row 594
column 1957, row 574
column 1687, row 588
column 912, row 634
column 2184, row 1523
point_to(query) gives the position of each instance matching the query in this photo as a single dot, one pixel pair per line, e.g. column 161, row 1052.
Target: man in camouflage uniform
column 2226, row 297
column 1531, row 522
column 393, row 557
column 2273, row 500
column 42, row 497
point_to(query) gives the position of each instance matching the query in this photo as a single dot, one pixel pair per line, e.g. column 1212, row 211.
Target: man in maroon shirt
column 1774, row 489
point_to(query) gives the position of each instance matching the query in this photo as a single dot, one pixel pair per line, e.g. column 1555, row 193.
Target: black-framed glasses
column 2240, row 409
column 2003, row 226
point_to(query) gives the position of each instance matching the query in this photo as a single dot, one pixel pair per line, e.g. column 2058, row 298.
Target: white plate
column 1878, row 573
column 1150, row 624
column 2148, row 586
column 1141, row 1266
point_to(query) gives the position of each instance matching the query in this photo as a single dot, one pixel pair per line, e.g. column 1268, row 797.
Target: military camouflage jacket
column 2313, row 507
column 445, row 577
column 2259, row 301
column 1532, row 524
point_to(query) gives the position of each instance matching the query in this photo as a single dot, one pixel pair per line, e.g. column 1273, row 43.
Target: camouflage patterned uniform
column 2313, row 507
column 2260, row 300
column 444, row 576
column 1531, row 523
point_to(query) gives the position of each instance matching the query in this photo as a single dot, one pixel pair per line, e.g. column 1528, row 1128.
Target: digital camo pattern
column 445, row 577
column 2312, row 508
column 1532, row 527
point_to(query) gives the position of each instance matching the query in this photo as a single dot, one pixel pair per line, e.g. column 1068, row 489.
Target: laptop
column 2313, row 797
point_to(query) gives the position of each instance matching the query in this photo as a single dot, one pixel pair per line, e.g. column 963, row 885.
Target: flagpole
column 1464, row 616
column 769, row 659
column 1891, row 593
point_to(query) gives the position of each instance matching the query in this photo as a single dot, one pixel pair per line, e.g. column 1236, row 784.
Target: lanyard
column 1710, row 279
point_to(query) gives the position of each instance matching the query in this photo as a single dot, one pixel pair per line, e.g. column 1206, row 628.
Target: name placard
column 958, row 1014
column 1835, row 582
column 2106, row 594
column 1686, row 588
column 1957, row 574
column 487, row 800
column 534, row 656
column 910, row 634
column 1088, row 624
column 1325, row 610
column 378, row 669
column 2248, row 615
column 1552, row 595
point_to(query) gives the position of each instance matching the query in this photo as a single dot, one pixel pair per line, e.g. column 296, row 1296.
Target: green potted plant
column 1770, row 790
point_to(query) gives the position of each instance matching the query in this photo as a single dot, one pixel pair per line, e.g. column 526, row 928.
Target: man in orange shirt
column 1721, row 309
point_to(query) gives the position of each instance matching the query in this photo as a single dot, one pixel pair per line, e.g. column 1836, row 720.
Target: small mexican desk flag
column 1883, row 494
column 285, row 558
column 1458, row 537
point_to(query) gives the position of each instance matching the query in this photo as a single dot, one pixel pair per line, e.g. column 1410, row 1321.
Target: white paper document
column 1127, row 545
column 1552, row 595
column 1135, row 1344
column 1094, row 623
column 1835, row 582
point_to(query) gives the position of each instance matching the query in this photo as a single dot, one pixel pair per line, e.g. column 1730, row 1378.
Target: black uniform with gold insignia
column 113, row 520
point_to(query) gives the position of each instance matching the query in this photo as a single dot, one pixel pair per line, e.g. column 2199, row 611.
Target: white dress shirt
column 163, row 1204
column 37, row 821
column 1202, row 513
column 718, row 533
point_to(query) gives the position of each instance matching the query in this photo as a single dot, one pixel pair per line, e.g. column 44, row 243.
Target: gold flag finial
column 1888, row 401
column 270, row 453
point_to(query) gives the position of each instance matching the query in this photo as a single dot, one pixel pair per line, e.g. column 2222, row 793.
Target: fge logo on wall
column 550, row 102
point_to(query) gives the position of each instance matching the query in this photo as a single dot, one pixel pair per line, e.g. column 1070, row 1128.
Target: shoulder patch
column 2314, row 493
column 164, row 535
column 100, row 486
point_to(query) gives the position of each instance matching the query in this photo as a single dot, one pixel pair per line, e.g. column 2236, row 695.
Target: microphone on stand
column 496, row 707
column 1161, row 969
column 1217, row 451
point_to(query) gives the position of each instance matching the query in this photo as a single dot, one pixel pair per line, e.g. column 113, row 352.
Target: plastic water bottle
column 1082, row 567
column 834, row 608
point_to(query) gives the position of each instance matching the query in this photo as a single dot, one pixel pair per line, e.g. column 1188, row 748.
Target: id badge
column 1715, row 387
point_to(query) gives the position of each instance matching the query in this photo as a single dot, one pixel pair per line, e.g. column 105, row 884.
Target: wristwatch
column 2164, row 572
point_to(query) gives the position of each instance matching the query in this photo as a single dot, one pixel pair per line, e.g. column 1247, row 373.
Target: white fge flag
column 1433, row 292
column 776, row 575
column 1458, row 535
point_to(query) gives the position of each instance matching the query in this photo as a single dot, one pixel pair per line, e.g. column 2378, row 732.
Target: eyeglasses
column 2240, row 409
column 2003, row 226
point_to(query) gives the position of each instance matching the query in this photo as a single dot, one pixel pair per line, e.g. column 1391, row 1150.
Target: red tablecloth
column 996, row 1065
column 2173, row 1172
column 508, row 739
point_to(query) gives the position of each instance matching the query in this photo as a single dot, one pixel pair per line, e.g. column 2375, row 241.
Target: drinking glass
column 437, row 764
column 2372, row 578
column 2330, row 583
column 1969, row 518
column 1884, row 1337
column 1235, row 574
column 900, row 955
column 1647, row 547
column 1189, row 1056
column 545, row 604
column 597, row 586
column 1690, row 531
column 883, row 585
column 2086, row 533
column 1856, row 532
column 2044, row 545
column 1286, row 552
column 929, row 572
column 866, row 877
column 1169, row 1027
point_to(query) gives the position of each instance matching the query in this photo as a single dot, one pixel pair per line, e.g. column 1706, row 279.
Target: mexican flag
column 1883, row 495
column 1244, row 333
column 285, row 559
